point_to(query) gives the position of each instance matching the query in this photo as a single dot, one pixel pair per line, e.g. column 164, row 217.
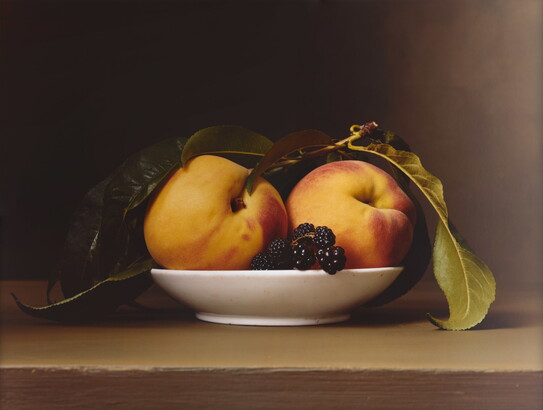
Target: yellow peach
column 204, row 219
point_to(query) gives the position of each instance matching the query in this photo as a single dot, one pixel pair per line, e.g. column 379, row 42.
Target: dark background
column 87, row 83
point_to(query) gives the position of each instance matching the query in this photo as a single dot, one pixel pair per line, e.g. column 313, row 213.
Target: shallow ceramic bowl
column 274, row 297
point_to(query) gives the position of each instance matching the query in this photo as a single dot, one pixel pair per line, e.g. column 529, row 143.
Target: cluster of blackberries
column 306, row 246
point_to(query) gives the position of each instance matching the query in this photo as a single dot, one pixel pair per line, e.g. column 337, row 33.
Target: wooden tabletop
column 168, row 358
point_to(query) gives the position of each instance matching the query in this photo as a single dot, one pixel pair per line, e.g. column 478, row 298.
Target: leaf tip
column 23, row 306
column 183, row 160
column 434, row 321
column 17, row 300
column 451, row 325
column 249, row 183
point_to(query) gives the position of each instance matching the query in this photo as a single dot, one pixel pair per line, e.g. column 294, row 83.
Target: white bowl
column 274, row 297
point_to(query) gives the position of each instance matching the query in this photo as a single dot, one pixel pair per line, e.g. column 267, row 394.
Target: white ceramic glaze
column 274, row 297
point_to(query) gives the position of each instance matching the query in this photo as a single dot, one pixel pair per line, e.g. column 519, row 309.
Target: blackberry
column 280, row 252
column 278, row 249
column 262, row 261
column 303, row 233
column 304, row 257
column 324, row 237
column 331, row 259
column 307, row 246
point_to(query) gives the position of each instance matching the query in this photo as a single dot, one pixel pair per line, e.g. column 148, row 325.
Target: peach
column 204, row 219
column 372, row 217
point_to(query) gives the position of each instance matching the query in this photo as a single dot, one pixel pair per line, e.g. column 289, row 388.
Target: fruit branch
column 357, row 132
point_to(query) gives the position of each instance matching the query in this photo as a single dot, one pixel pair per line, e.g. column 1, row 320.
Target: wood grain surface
column 265, row 389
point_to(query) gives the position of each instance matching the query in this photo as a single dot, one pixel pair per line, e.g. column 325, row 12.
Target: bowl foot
column 269, row 321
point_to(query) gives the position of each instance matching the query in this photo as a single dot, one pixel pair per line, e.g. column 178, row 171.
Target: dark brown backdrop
column 87, row 83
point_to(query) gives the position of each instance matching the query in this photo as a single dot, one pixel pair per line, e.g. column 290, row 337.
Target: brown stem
column 357, row 132
column 237, row 204
column 361, row 130
column 310, row 235
column 345, row 154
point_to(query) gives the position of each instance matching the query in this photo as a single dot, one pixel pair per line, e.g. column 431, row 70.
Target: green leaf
column 417, row 259
column 79, row 260
column 380, row 136
column 120, row 240
column 101, row 299
column 468, row 295
column 290, row 143
column 454, row 263
column 105, row 235
column 387, row 137
column 227, row 140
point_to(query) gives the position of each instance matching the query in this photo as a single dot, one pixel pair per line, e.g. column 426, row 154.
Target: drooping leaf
column 288, row 144
column 103, row 298
column 227, row 140
column 79, row 263
column 468, row 295
column 380, row 136
column 120, row 240
column 454, row 264
column 105, row 235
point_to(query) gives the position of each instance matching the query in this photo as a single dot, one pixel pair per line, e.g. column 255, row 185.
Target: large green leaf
column 468, row 295
column 101, row 299
column 227, row 140
column 105, row 235
column 467, row 282
column 120, row 240
column 79, row 262
column 290, row 143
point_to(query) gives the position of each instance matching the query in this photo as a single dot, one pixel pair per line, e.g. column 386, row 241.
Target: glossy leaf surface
column 226, row 140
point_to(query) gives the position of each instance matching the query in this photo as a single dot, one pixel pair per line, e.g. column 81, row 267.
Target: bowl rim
column 273, row 273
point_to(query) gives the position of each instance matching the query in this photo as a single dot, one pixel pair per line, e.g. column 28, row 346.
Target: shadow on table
column 377, row 317
column 509, row 320
column 389, row 316
column 495, row 319
column 411, row 309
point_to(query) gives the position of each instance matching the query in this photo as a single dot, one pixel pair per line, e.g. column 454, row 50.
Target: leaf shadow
column 390, row 316
column 158, row 317
column 509, row 320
